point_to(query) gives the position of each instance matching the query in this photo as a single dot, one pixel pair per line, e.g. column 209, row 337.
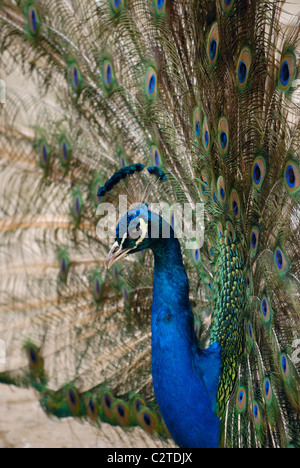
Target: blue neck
column 185, row 379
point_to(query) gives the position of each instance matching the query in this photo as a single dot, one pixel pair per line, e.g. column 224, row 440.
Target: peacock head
column 138, row 230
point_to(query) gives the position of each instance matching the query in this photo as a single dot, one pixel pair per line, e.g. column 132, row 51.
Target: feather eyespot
column 151, row 84
column 235, row 204
column 155, row 156
column 121, row 413
column 254, row 238
column 256, row 415
column 160, row 6
column 213, row 44
column 137, row 404
column 64, row 264
column 227, row 4
column 221, row 190
column 107, row 401
column 116, row 5
column 64, row 152
column 267, row 391
column 108, row 72
column 280, row 261
column 287, row 71
column 34, row 21
column 197, row 123
column 147, row 421
column 258, row 172
column 196, row 255
column 204, row 186
column 250, row 335
column 97, row 287
column 73, row 400
column 241, row 400
column 285, row 367
column 230, row 232
column 126, row 296
column 75, row 78
column 72, row 397
column 210, row 250
column 265, row 309
column 292, row 177
column 44, row 156
column 33, row 357
column 220, row 230
column 92, row 409
column 243, row 68
column 206, row 135
column 77, row 206
column 223, row 136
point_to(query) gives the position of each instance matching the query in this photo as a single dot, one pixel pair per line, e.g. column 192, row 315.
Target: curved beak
column 116, row 254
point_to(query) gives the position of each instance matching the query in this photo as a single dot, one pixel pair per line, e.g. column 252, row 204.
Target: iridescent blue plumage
column 185, row 378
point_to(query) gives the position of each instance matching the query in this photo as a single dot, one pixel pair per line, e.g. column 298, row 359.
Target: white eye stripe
column 144, row 229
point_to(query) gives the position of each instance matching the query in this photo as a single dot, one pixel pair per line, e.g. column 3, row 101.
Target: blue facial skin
column 185, row 378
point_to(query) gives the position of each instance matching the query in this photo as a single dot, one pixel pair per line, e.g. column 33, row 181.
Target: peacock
column 122, row 121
